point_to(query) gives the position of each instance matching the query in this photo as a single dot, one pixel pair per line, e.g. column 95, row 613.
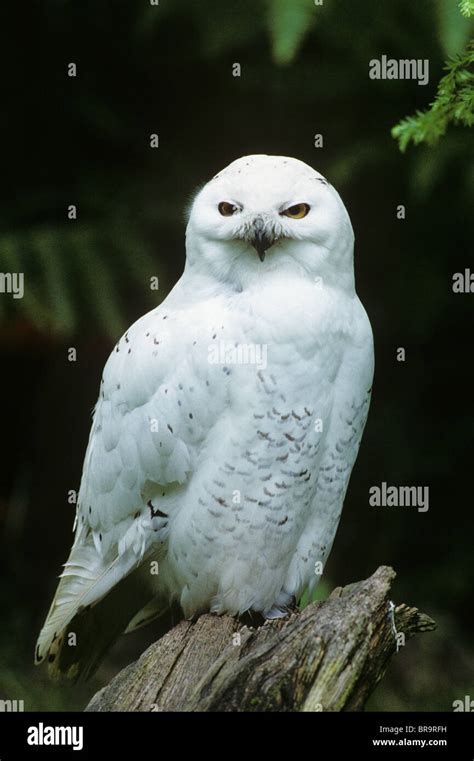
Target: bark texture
column 329, row 657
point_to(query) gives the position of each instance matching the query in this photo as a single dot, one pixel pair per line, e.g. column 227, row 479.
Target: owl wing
column 147, row 426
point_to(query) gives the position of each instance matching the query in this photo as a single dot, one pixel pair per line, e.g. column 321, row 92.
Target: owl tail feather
column 77, row 632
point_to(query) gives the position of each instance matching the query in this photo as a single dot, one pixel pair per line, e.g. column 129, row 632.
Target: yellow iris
column 298, row 211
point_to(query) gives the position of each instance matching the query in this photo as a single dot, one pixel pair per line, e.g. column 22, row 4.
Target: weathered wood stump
column 329, row 657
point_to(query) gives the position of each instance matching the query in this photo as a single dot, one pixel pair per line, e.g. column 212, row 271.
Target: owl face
column 267, row 213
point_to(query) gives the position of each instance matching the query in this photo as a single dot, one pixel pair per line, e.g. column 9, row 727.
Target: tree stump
column 328, row 657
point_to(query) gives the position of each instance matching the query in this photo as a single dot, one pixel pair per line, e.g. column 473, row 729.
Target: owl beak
column 261, row 240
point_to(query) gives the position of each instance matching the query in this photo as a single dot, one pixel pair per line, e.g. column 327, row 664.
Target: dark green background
column 85, row 141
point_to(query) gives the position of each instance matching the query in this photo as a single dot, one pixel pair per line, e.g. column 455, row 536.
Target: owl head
column 269, row 214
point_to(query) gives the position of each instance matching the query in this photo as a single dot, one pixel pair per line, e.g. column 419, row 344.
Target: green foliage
column 73, row 271
column 453, row 28
column 288, row 24
column 467, row 7
column 454, row 104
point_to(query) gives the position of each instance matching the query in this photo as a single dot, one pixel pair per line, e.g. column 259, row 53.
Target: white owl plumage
column 227, row 476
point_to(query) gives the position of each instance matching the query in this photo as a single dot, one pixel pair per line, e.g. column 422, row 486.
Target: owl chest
column 262, row 457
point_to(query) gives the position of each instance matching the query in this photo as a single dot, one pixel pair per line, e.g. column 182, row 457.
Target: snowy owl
column 228, row 421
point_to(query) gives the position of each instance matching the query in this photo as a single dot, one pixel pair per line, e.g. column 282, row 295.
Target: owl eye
column 298, row 211
column 227, row 209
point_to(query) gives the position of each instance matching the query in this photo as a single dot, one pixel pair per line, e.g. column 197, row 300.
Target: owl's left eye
column 298, row 211
column 227, row 209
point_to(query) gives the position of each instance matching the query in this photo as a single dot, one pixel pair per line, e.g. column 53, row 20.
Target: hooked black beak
column 261, row 240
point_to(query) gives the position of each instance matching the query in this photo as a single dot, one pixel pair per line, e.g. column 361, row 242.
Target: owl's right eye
column 227, row 209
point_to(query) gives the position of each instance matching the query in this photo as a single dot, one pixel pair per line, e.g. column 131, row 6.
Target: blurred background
column 167, row 70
